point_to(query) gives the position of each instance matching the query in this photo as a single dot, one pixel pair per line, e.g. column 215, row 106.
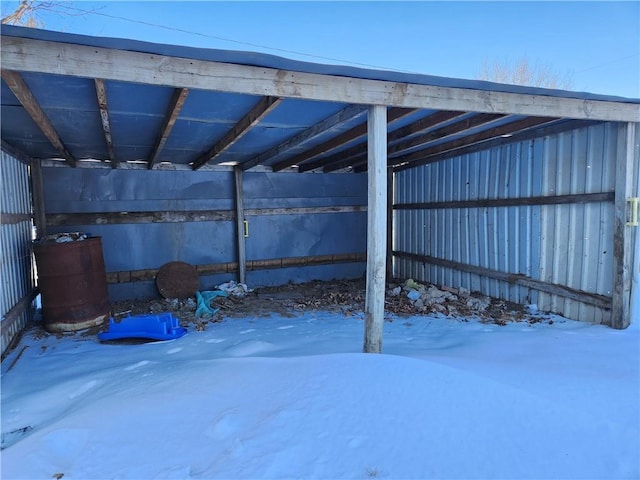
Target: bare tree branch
column 523, row 72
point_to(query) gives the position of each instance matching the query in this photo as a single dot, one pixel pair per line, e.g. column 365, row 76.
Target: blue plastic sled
column 163, row 326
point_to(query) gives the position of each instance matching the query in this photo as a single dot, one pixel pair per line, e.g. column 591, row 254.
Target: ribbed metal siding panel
column 570, row 245
column 496, row 238
column 16, row 272
column 578, row 239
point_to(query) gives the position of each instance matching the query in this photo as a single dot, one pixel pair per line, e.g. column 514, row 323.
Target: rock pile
column 446, row 300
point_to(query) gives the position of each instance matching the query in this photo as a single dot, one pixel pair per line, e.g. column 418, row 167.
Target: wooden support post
column 37, row 199
column 376, row 228
column 242, row 258
column 389, row 224
column 622, row 254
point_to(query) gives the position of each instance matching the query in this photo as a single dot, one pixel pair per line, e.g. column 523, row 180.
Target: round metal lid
column 177, row 280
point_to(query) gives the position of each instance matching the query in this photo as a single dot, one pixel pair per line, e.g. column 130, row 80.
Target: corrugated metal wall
column 16, row 272
column 569, row 245
column 149, row 245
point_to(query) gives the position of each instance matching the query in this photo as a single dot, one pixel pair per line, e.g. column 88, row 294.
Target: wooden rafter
column 22, row 92
column 101, row 93
column 506, row 129
column 359, row 152
column 551, row 128
column 257, row 113
column 60, row 58
column 441, row 133
column 354, row 133
column 338, row 118
column 173, row 110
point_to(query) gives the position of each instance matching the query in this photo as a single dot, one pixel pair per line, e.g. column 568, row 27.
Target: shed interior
column 263, row 169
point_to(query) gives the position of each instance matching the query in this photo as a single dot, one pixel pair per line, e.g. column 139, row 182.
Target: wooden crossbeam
column 341, row 117
column 506, row 129
column 101, row 93
column 354, row 133
column 358, row 153
column 257, row 113
column 441, row 133
column 60, row 58
column 22, row 92
column 173, row 110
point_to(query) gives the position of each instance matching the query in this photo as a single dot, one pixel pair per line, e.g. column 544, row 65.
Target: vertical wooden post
column 376, row 228
column 37, row 199
column 389, row 224
column 242, row 259
column 622, row 254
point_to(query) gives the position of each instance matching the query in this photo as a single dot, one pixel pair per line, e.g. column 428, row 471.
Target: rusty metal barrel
column 73, row 284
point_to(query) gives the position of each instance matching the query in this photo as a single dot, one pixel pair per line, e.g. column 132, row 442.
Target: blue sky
column 596, row 43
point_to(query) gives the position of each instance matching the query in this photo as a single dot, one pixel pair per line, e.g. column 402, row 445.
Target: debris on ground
column 343, row 296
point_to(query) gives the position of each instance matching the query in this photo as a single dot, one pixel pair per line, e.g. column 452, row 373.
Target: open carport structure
column 276, row 170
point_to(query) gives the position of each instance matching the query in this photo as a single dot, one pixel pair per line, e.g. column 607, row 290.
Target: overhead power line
column 215, row 37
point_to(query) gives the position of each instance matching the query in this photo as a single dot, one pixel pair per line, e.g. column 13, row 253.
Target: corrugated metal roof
column 137, row 111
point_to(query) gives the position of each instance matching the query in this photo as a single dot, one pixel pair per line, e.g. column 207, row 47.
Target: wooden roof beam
column 173, row 110
column 440, row 133
column 101, row 93
column 22, row 92
column 257, row 113
column 63, row 58
column 354, row 133
column 319, row 128
column 346, row 157
column 507, row 129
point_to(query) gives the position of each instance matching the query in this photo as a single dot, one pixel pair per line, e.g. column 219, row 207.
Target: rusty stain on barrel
column 73, row 284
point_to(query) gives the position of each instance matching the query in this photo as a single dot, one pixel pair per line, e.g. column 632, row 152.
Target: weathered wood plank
column 24, row 54
column 304, row 210
column 13, row 218
column 600, row 301
column 22, row 92
column 240, row 242
column 117, row 218
column 252, row 265
column 510, row 202
column 173, row 110
column 376, row 229
column 37, row 199
column 339, row 118
column 101, row 93
column 438, row 134
column 357, row 154
column 622, row 254
column 390, row 200
column 530, row 134
column 251, row 118
column 359, row 131
column 452, row 145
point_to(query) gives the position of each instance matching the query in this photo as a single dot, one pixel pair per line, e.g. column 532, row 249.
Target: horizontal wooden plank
column 118, row 218
column 231, row 267
column 510, row 202
column 29, row 55
column 304, row 210
column 13, row 218
column 600, row 301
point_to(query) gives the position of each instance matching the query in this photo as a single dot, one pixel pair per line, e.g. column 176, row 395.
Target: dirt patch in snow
column 345, row 297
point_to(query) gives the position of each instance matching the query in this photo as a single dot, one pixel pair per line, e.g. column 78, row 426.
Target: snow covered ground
column 293, row 398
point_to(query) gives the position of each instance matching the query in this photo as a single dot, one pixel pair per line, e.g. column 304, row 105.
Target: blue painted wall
column 139, row 246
